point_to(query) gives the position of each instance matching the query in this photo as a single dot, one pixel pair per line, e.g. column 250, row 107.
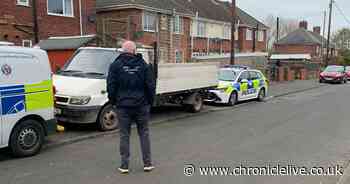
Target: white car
column 239, row 84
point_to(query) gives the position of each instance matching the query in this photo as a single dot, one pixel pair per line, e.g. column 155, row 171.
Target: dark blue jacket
column 130, row 82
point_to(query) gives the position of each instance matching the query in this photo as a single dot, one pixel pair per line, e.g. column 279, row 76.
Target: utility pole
column 329, row 31
column 323, row 34
column 278, row 29
column 233, row 30
column 35, row 22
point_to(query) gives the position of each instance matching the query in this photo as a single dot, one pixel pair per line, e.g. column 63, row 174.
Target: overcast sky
column 310, row 10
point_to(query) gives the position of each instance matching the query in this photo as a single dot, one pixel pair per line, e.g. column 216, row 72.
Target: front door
column 244, row 86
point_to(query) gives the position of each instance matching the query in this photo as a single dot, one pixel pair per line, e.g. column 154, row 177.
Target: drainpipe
column 35, row 22
column 81, row 18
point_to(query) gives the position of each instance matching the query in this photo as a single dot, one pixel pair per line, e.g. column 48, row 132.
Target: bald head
column 129, row 47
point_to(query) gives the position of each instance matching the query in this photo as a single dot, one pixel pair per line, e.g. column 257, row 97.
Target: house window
column 260, row 36
column 249, row 35
column 149, row 22
column 60, row 7
column 23, row 2
column 227, row 32
column 27, row 43
column 177, row 24
column 178, row 56
column 201, row 29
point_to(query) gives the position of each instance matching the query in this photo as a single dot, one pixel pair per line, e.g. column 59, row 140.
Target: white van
column 26, row 99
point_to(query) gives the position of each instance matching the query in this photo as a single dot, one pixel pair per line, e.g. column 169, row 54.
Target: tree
column 287, row 26
column 342, row 39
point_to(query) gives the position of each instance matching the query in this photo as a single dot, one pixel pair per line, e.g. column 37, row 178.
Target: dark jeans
column 139, row 115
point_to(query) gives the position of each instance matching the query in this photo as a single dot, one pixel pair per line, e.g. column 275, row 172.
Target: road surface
column 306, row 129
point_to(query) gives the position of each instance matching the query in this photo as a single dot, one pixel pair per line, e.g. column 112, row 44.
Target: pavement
column 305, row 129
column 75, row 133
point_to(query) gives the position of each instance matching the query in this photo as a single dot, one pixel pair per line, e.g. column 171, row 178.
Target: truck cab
column 26, row 99
column 81, row 95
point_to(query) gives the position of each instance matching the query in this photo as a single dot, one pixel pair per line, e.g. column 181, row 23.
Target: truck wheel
column 197, row 104
column 233, row 99
column 27, row 138
column 107, row 120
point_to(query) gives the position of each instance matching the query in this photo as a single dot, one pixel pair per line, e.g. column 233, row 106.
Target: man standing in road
column 131, row 89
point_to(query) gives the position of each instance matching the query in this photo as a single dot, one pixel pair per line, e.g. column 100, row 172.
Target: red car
column 334, row 74
column 347, row 70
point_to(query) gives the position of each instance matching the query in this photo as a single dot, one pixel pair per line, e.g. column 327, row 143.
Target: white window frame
column 23, row 3
column 28, row 41
column 182, row 56
column 201, row 33
column 249, row 35
column 227, row 32
column 178, row 24
column 144, row 22
column 261, row 36
column 64, row 5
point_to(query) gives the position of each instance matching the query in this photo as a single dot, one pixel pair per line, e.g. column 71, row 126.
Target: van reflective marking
column 30, row 97
column 14, row 91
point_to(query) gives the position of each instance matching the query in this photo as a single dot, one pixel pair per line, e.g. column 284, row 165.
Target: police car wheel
column 233, row 99
column 107, row 119
column 261, row 95
column 27, row 138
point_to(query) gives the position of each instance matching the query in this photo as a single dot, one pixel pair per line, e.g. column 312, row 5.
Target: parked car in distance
column 26, row 99
column 347, row 70
column 239, row 84
column 334, row 74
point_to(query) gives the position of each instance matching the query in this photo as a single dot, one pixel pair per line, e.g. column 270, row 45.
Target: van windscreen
column 91, row 61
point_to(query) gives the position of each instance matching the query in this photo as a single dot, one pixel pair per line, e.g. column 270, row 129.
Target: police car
column 238, row 83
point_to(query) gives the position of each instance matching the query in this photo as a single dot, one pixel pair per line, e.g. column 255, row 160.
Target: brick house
column 146, row 22
column 183, row 28
column 53, row 17
column 212, row 25
column 303, row 41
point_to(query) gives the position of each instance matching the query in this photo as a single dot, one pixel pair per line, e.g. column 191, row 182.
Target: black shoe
column 148, row 168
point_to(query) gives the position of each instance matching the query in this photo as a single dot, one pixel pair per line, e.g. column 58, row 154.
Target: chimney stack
column 303, row 24
column 317, row 29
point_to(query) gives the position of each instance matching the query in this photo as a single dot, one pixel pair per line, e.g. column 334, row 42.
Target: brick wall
column 16, row 22
column 245, row 45
column 12, row 15
column 168, row 42
column 296, row 49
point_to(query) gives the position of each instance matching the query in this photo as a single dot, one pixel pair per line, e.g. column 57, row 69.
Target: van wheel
column 27, row 138
column 262, row 95
column 197, row 104
column 233, row 99
column 107, row 120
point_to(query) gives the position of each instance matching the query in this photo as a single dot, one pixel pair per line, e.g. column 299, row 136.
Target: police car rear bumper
column 77, row 115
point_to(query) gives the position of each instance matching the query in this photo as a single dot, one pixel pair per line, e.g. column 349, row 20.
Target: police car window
column 227, row 75
column 244, row 75
column 253, row 75
column 259, row 75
